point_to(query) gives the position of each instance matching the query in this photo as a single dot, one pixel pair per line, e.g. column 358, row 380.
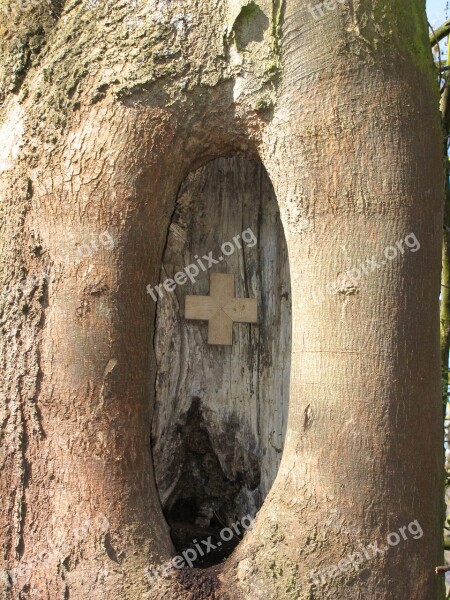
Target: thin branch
column 440, row 33
column 442, row 570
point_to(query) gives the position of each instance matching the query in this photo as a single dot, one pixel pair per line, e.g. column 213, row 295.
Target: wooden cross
column 221, row 309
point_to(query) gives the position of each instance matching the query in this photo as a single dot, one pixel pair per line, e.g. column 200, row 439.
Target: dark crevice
column 199, row 510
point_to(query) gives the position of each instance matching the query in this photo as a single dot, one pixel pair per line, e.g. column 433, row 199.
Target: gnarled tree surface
column 106, row 107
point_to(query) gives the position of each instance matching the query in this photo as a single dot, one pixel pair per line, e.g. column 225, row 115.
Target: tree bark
column 107, row 108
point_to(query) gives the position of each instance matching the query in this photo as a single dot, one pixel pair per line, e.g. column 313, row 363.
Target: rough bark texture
column 107, row 107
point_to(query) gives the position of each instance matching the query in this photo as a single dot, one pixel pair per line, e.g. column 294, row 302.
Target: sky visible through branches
column 438, row 11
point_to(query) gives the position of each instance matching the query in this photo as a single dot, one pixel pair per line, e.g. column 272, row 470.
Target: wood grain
column 242, row 390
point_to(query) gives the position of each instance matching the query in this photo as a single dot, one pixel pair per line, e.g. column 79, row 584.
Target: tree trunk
column 107, row 108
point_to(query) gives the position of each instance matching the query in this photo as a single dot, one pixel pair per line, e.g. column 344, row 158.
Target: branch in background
column 442, row 570
column 440, row 33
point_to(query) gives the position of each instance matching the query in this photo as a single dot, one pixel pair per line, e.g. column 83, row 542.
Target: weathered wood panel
column 220, row 415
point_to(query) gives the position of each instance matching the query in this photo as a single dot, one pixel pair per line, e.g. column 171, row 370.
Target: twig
column 442, row 570
column 440, row 33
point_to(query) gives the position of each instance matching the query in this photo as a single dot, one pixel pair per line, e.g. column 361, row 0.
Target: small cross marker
column 221, row 309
